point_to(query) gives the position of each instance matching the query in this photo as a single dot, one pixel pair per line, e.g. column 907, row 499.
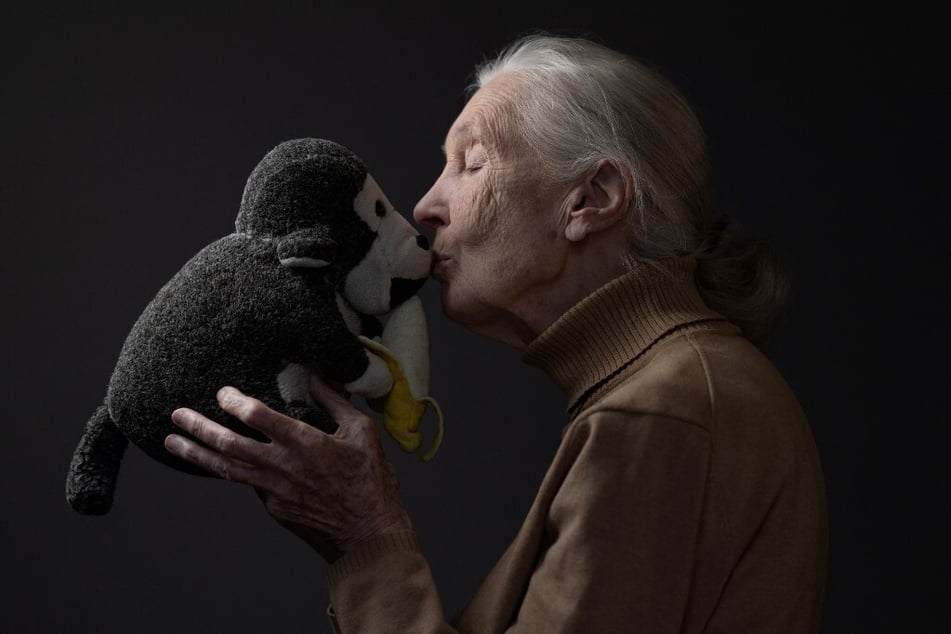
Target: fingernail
column 174, row 443
column 225, row 391
column 181, row 416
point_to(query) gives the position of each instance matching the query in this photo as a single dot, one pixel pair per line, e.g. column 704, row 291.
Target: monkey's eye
column 380, row 208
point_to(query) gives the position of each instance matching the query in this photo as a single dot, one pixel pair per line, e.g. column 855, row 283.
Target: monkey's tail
column 91, row 480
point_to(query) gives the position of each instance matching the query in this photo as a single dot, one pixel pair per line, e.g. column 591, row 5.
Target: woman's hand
column 333, row 491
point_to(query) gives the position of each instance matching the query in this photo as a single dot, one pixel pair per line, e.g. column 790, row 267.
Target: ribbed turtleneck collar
column 606, row 330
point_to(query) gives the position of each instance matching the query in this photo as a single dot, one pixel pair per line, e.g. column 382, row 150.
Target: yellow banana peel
column 402, row 410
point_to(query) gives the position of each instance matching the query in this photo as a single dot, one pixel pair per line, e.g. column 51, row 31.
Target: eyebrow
column 466, row 130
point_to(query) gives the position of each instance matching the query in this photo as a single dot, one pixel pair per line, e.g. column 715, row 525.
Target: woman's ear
column 599, row 201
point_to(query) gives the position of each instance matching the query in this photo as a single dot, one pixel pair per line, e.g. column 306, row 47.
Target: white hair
column 580, row 102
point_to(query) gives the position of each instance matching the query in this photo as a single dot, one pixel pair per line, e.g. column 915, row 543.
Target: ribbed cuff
column 371, row 552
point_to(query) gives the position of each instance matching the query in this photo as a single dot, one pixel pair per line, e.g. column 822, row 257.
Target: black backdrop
column 127, row 139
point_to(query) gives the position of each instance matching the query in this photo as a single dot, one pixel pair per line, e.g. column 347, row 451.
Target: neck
column 618, row 322
column 538, row 310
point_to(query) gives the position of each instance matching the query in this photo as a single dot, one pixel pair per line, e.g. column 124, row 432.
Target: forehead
column 486, row 114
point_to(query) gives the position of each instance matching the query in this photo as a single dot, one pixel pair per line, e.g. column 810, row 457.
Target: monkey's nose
column 423, row 242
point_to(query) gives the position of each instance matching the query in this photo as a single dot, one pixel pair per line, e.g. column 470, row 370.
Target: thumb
column 334, row 400
column 352, row 423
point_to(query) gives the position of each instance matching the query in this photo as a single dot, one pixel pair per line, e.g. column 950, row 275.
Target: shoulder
column 707, row 389
column 705, row 375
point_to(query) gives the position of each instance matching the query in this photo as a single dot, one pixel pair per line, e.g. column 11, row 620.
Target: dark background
column 128, row 136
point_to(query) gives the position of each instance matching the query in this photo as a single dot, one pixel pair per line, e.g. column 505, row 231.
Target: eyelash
column 473, row 167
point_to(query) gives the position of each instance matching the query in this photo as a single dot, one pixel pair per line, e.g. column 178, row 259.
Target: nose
column 423, row 242
column 431, row 208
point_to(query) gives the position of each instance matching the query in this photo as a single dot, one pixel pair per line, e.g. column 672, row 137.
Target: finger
column 213, row 462
column 220, row 438
column 352, row 423
column 334, row 385
column 339, row 408
column 256, row 414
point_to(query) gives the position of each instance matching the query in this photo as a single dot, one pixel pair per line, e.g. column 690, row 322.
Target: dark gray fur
column 233, row 315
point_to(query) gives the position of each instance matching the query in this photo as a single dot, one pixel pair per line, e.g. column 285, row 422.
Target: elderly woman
column 574, row 220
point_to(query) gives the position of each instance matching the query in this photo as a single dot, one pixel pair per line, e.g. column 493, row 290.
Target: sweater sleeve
column 618, row 536
column 385, row 586
column 619, row 545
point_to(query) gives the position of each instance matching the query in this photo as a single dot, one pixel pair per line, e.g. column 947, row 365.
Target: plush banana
column 403, row 410
column 405, row 350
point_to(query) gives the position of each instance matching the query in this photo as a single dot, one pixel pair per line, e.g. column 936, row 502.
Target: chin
column 455, row 307
column 469, row 313
column 449, row 304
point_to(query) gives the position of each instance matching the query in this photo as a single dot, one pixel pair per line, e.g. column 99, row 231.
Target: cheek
column 525, row 219
column 481, row 216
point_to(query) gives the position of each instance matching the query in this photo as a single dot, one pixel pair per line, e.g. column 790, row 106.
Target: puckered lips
column 439, row 264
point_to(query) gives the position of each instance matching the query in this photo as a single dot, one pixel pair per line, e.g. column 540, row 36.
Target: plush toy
column 321, row 273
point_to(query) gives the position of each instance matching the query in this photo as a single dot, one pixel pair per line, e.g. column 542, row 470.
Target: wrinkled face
column 496, row 217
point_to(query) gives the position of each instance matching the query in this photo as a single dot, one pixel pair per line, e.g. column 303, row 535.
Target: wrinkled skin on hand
column 333, row 491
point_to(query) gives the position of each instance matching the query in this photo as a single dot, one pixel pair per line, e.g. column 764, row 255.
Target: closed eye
column 474, row 158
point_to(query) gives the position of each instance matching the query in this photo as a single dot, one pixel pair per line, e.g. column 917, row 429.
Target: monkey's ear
column 312, row 248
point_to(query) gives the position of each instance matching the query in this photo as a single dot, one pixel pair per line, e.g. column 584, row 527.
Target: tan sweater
column 686, row 496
